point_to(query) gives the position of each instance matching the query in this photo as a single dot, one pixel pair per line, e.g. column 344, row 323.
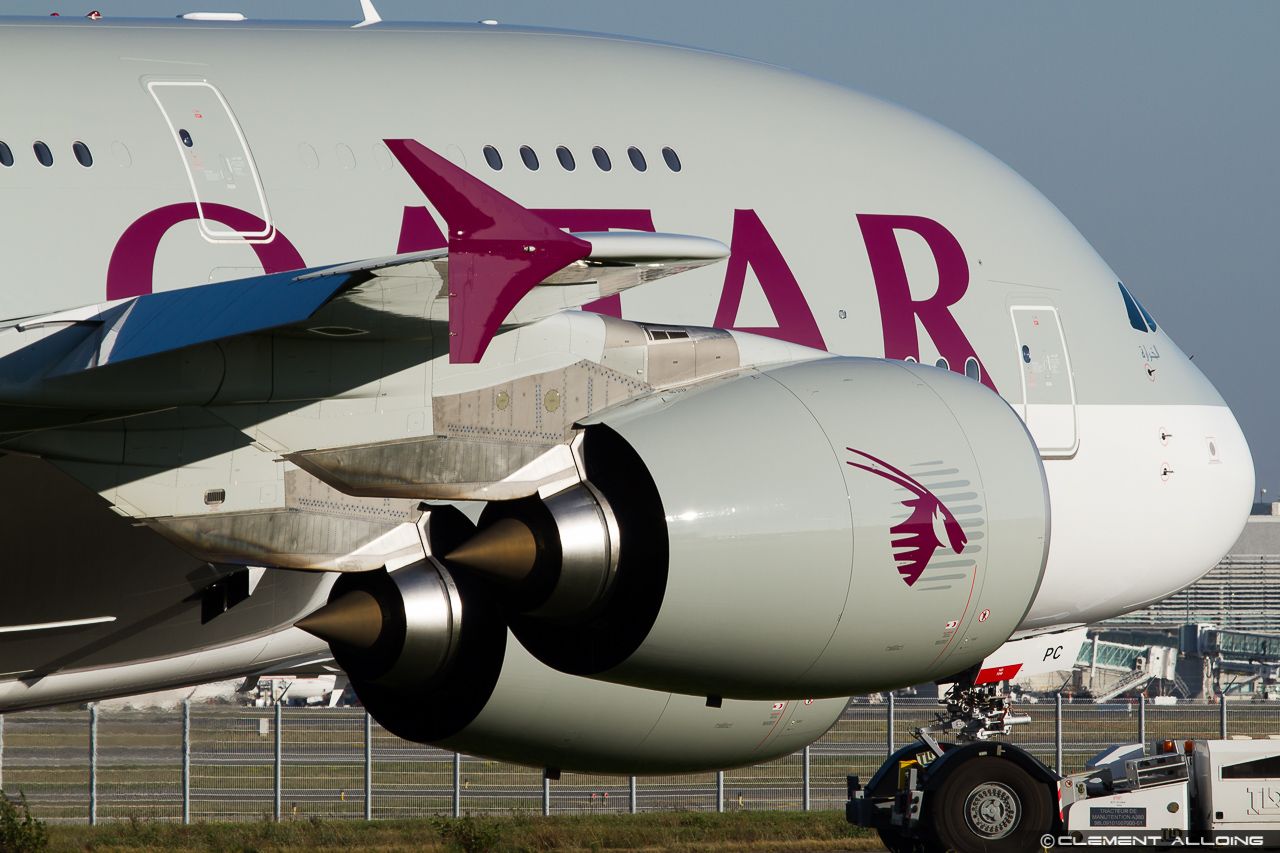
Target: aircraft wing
column 296, row 420
column 124, row 397
column 505, row 265
column 395, row 296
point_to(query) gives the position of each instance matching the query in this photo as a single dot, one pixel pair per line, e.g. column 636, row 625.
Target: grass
column 685, row 832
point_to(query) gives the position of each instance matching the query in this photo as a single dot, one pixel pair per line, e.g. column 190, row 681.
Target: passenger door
column 216, row 157
column 1048, row 389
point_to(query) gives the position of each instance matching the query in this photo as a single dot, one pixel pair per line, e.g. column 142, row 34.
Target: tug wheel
column 894, row 840
column 989, row 805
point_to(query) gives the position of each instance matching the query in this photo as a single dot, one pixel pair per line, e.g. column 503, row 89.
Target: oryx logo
column 923, row 531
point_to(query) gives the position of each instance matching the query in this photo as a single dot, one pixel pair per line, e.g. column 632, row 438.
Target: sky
column 1154, row 126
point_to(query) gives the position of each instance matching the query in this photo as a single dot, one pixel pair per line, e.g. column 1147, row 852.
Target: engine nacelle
column 822, row 528
column 545, row 718
column 432, row 660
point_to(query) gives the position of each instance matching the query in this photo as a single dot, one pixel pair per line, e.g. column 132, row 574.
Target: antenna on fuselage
column 371, row 15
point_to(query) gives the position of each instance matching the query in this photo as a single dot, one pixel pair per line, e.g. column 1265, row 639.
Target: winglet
column 370, row 14
column 498, row 250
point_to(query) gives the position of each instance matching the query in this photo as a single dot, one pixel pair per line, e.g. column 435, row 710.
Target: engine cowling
column 823, row 528
column 430, row 656
column 542, row 717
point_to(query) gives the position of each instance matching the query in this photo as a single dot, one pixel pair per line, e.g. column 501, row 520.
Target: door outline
column 206, row 231
column 1071, row 379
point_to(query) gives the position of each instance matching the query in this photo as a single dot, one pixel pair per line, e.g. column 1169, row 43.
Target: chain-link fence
column 211, row 762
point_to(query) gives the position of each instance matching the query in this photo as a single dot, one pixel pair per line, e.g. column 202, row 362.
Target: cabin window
column 972, row 370
column 184, row 136
column 493, row 158
column 672, row 158
column 530, row 158
column 602, row 158
column 43, row 154
column 83, row 156
column 942, row 363
column 6, row 155
column 637, row 158
column 565, row 156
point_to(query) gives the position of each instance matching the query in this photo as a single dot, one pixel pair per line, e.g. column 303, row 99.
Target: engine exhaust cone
column 505, row 550
column 354, row 619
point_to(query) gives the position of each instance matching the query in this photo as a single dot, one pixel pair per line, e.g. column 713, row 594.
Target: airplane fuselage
column 856, row 227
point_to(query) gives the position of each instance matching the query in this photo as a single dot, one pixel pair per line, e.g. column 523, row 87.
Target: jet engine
column 430, row 656
column 818, row 529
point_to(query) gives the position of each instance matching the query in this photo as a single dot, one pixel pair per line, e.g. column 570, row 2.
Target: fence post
column 1142, row 720
column 719, row 790
column 279, row 744
column 632, row 805
column 1222, row 716
column 93, row 764
column 546, row 795
column 368, row 766
column 186, row 761
column 457, row 784
column 804, row 779
column 889, row 726
column 1057, row 734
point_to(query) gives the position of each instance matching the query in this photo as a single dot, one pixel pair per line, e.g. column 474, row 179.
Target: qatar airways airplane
column 596, row 404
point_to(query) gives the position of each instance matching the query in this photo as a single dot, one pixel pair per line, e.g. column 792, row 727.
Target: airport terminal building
column 1219, row 636
column 1241, row 593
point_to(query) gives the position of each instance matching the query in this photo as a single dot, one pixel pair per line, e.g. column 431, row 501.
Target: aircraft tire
column 989, row 805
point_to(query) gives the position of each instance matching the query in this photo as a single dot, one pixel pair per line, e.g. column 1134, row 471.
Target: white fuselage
column 843, row 214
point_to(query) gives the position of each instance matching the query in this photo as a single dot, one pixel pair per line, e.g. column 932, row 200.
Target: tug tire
column 988, row 805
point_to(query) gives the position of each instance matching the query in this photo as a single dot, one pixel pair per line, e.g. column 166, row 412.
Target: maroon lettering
column 752, row 246
column 131, row 269
column 898, row 310
column 132, row 266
